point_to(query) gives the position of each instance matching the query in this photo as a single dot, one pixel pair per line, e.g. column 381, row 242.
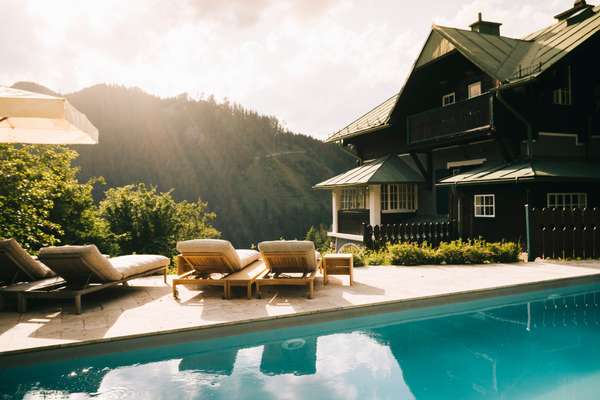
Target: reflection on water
column 537, row 349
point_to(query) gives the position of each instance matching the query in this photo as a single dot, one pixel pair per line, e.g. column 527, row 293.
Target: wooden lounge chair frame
column 21, row 280
column 187, row 274
column 63, row 290
column 246, row 277
column 280, row 278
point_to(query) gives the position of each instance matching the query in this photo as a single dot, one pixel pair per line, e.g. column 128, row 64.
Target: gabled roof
column 377, row 118
column 498, row 56
column 527, row 171
column 388, row 169
column 506, row 59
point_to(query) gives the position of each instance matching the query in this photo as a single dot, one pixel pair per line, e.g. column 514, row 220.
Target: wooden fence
column 563, row 233
column 374, row 237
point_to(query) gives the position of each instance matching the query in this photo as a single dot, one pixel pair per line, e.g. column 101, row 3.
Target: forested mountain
column 253, row 173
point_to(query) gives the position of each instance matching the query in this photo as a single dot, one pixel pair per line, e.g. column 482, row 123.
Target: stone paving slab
column 147, row 306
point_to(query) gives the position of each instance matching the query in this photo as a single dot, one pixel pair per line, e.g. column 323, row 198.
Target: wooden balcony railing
column 453, row 120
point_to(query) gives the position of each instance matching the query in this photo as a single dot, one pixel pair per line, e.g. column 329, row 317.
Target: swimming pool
column 542, row 344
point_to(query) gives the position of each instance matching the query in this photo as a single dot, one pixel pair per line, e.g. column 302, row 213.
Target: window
column 355, row 198
column 562, row 94
column 475, row 89
column 485, row 205
column 401, row 197
column 448, row 99
column 567, row 200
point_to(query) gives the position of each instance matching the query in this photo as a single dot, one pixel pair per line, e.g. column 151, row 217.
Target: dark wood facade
column 507, row 123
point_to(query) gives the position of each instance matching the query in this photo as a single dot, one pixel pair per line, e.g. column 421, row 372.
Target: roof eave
column 357, row 133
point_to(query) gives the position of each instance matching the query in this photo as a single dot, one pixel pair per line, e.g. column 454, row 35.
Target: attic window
column 474, row 89
column 448, row 99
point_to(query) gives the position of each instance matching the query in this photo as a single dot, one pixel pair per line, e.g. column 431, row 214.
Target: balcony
column 457, row 120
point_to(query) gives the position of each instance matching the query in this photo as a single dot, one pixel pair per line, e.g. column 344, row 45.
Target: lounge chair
column 286, row 260
column 20, row 272
column 214, row 363
column 215, row 262
column 85, row 270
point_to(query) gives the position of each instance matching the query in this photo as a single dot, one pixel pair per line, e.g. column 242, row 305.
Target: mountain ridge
column 254, row 174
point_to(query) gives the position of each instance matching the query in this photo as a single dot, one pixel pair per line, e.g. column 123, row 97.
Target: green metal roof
column 377, row 118
column 388, row 169
column 552, row 170
column 510, row 60
column 498, row 56
column 506, row 59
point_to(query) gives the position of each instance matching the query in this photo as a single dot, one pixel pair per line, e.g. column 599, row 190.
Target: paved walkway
column 148, row 306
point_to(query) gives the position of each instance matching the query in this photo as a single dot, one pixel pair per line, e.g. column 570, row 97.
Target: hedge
column 455, row 252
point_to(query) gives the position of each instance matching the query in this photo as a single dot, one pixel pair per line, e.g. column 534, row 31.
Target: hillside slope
column 255, row 175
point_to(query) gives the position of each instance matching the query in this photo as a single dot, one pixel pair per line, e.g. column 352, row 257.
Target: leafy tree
column 318, row 235
column 148, row 221
column 41, row 201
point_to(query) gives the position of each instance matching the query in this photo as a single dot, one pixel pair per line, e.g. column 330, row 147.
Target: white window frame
column 355, row 198
column 399, row 198
column 473, row 85
column 448, row 96
column 568, row 200
column 563, row 96
column 483, row 208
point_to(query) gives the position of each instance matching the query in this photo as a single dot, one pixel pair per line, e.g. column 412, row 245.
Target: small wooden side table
column 338, row 264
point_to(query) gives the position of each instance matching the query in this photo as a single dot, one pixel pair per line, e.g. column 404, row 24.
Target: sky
column 316, row 65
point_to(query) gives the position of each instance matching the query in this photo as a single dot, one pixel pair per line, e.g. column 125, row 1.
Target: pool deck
column 147, row 307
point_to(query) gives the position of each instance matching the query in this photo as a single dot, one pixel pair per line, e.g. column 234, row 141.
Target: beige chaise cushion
column 10, row 249
column 290, row 255
column 77, row 263
column 232, row 259
column 138, row 263
column 85, row 263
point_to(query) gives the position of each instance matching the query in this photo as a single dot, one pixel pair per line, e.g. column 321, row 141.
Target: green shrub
column 451, row 253
column 377, row 257
column 358, row 255
column 411, row 254
column 477, row 252
column 455, row 252
column 505, row 252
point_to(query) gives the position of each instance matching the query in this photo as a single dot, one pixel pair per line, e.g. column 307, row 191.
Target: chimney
column 577, row 6
column 486, row 27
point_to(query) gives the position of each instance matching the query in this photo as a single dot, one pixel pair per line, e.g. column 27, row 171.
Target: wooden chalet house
column 483, row 125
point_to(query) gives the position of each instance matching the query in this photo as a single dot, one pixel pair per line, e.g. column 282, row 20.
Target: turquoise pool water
column 542, row 345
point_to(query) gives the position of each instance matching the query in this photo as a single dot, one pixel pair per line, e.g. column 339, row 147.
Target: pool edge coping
column 305, row 317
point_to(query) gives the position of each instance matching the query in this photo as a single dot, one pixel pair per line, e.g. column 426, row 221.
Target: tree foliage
column 318, row 235
column 256, row 175
column 148, row 221
column 41, row 201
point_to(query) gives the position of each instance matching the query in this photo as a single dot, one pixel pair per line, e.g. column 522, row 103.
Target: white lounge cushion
column 76, row 262
column 304, row 247
column 138, row 263
column 29, row 265
column 247, row 257
column 237, row 259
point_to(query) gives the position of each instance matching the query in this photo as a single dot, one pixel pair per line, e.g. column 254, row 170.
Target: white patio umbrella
column 27, row 117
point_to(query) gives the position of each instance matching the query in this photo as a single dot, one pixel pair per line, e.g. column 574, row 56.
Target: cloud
column 315, row 64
